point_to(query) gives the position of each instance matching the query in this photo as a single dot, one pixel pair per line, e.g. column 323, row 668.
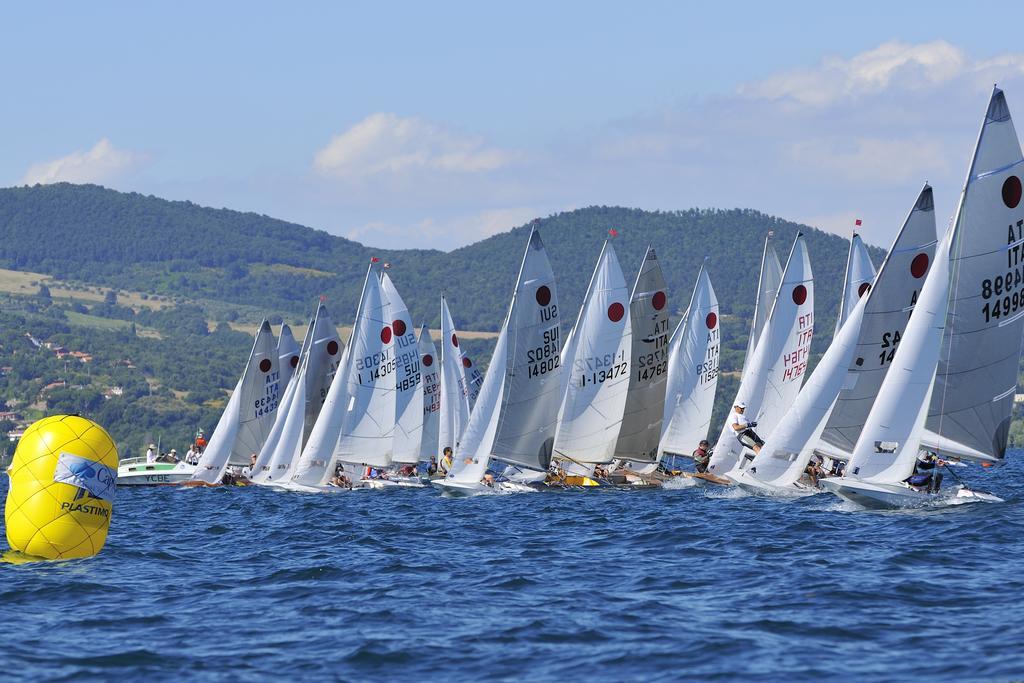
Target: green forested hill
column 130, row 241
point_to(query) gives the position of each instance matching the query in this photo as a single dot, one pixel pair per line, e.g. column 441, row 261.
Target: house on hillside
column 82, row 356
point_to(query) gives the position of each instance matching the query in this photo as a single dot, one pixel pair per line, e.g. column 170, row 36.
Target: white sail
column 788, row 449
column 368, row 425
column 888, row 444
column 302, row 402
column 532, row 374
column 767, row 287
column 645, row 398
column 976, row 378
column 408, row 383
column 860, row 273
column 692, row 372
column 892, row 298
column 595, row 398
column 430, row 371
column 288, row 353
column 249, row 414
column 772, row 378
column 313, row 467
column 514, row 417
column 454, row 392
column 287, row 446
column 473, row 454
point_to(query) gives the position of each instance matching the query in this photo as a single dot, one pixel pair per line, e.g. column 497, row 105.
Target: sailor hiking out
column 744, row 428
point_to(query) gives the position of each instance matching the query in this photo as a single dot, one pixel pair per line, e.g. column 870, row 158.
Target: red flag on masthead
column 374, row 259
column 857, row 222
column 613, row 232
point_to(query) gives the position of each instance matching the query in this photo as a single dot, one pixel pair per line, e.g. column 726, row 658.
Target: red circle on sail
column 399, row 327
column 1011, row 191
column 864, row 288
column 385, row 334
column 265, row 365
column 332, row 347
column 658, row 300
column 919, row 266
column 543, row 295
column 615, row 312
column 428, row 360
column 455, row 341
column 466, row 363
column 293, row 361
column 711, row 320
column 799, row 295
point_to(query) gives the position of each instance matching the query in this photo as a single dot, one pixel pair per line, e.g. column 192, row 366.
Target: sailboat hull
column 757, row 487
column 460, row 489
column 880, row 496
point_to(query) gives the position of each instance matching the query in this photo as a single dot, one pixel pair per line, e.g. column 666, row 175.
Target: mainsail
column 891, row 300
column 598, row 369
column 514, row 416
column 429, row 369
column 767, row 287
column 408, row 385
column 454, row 391
column 860, row 273
column 645, row 398
column 772, row 377
column 692, row 372
column 976, row 378
column 249, row 414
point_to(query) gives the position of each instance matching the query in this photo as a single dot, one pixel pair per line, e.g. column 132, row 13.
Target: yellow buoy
column 62, row 489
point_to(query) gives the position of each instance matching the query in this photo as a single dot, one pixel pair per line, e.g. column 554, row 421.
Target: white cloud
column 102, row 163
column 871, row 160
column 386, row 144
column 911, row 67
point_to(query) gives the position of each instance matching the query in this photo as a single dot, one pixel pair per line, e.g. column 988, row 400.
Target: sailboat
column 597, row 368
column 692, row 372
column 249, row 415
column 408, row 392
column 845, row 382
column 955, row 329
column 430, row 371
column 454, row 391
column 356, row 424
column 645, row 397
column 773, row 376
column 302, row 401
column 513, row 421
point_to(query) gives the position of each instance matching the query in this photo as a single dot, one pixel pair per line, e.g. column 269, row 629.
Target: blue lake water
column 610, row 585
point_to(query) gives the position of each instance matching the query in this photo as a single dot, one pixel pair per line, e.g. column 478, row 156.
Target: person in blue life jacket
column 926, row 475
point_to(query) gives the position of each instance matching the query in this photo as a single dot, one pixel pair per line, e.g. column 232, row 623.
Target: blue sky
column 408, row 124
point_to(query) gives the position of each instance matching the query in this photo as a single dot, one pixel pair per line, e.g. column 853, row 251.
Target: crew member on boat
column 701, row 456
column 432, row 467
column 925, row 475
column 446, row 461
column 200, row 442
column 744, row 428
column 815, row 469
column 488, row 480
column 151, row 454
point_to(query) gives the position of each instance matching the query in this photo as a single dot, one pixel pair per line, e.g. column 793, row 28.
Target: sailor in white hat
column 744, row 428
